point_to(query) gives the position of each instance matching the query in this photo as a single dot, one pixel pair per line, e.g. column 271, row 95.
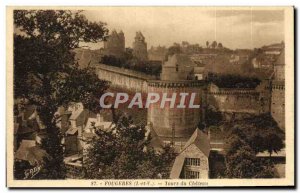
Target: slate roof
column 28, row 151
column 29, row 110
column 28, row 121
column 104, row 125
column 22, row 152
column 201, row 141
column 75, row 114
column 89, row 135
column 72, row 130
column 177, row 167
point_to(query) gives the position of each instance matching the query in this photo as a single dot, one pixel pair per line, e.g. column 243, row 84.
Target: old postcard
column 150, row 97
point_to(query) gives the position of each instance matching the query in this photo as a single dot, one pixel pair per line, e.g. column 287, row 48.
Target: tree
column 214, row 44
column 241, row 164
column 241, row 161
column 245, row 139
column 273, row 142
column 233, row 143
column 261, row 133
column 123, row 153
column 45, row 72
column 207, row 44
column 233, row 81
column 175, row 49
column 220, row 45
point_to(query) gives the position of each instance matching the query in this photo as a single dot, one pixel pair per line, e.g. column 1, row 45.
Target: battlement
column 236, row 92
column 278, row 87
column 175, row 84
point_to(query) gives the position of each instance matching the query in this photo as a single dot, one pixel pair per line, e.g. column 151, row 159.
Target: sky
column 233, row 27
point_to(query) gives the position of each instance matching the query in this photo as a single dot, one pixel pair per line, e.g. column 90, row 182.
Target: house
column 27, row 124
column 30, row 158
column 92, row 124
column 71, row 121
column 98, row 122
column 31, row 151
column 199, row 72
column 192, row 162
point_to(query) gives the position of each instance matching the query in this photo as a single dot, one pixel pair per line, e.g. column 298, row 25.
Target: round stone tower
column 140, row 47
column 115, row 44
column 176, row 125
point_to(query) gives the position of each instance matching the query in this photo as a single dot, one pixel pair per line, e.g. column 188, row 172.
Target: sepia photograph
column 146, row 97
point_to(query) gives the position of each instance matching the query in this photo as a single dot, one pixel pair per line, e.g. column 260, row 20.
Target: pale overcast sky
column 165, row 25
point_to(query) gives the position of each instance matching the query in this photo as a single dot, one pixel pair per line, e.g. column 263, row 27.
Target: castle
column 180, row 74
column 140, row 47
column 115, row 45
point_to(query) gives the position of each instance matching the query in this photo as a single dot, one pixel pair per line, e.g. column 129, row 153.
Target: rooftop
column 200, row 139
column 281, row 59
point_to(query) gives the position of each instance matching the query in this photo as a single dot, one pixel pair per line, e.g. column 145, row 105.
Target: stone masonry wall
column 193, row 152
column 247, row 101
column 278, row 103
column 124, row 78
column 241, row 101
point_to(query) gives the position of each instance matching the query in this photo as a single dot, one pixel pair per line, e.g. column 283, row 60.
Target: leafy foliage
column 132, row 63
column 261, row 133
column 241, row 161
column 121, row 154
column 45, row 71
column 233, row 81
column 247, row 138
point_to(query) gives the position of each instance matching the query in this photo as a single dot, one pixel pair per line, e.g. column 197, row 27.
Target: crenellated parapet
column 236, row 92
column 278, row 85
column 175, row 84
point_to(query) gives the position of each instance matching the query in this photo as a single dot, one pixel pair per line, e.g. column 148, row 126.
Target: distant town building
column 193, row 160
column 267, row 56
column 182, row 67
column 177, row 67
column 115, row 45
column 278, row 91
column 188, row 48
column 157, row 53
column 203, row 58
column 140, row 47
column 273, row 49
column 199, row 72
